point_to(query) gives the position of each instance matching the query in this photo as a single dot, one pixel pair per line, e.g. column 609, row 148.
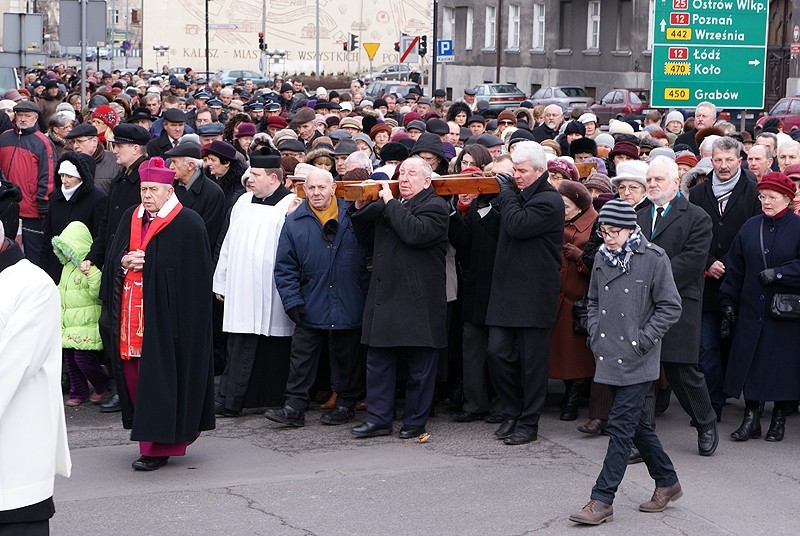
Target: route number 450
column 676, row 93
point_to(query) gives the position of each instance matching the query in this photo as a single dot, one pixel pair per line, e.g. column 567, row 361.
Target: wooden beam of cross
column 586, row 169
column 446, row 185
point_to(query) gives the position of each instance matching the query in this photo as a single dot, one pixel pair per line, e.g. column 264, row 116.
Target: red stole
column 131, row 328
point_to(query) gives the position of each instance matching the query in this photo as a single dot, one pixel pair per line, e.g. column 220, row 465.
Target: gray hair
column 152, row 97
column 709, row 105
column 767, row 151
column 361, row 159
column 529, row 151
column 769, row 135
column 708, row 143
column 61, row 119
column 227, row 91
column 319, row 171
column 726, row 127
column 427, row 170
column 198, row 162
column 668, row 163
column 726, row 143
column 791, row 145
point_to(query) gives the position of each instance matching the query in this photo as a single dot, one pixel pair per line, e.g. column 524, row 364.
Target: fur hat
column 564, row 167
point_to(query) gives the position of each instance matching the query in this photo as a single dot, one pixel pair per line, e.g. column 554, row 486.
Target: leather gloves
column 505, row 180
column 295, row 313
column 728, row 321
column 767, row 277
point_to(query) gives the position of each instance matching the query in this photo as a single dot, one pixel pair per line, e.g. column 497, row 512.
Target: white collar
column 166, row 209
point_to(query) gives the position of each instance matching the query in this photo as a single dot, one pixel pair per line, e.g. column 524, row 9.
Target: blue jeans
column 710, row 361
column 628, row 422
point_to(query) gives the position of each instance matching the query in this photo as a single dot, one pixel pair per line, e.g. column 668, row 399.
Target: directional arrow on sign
column 754, row 63
column 663, row 25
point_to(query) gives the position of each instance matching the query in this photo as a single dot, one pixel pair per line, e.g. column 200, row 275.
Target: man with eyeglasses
column 85, row 140
column 684, row 231
column 730, row 199
column 548, row 130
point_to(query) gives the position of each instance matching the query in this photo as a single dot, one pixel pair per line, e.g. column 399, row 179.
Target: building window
column 491, row 27
column 652, row 13
column 114, row 16
column 468, row 29
column 624, row 24
column 565, row 26
column 538, row 26
column 513, row 26
column 593, row 26
column 448, row 23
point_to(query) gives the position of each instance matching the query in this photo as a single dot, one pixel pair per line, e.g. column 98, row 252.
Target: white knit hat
column 674, row 115
column 68, row 168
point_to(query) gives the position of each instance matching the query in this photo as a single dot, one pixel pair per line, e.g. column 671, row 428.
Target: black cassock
column 175, row 392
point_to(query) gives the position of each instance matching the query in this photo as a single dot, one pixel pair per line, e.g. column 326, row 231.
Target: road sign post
column 371, row 49
column 709, row 50
column 408, row 49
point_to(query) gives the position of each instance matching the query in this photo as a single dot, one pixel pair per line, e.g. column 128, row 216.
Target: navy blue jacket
column 328, row 279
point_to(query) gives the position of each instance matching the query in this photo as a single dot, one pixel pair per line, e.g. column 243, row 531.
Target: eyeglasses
column 770, row 198
column 611, row 233
column 631, row 188
column 506, row 123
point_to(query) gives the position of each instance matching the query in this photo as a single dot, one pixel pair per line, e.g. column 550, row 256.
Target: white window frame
column 115, row 16
column 513, row 25
column 538, row 26
column 490, row 35
column 468, row 29
column 593, row 25
column 448, row 23
column 651, row 15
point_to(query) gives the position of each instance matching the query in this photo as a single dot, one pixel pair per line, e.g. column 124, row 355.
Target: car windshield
column 780, row 107
column 7, row 79
column 638, row 97
column 571, row 92
column 250, row 74
column 504, row 88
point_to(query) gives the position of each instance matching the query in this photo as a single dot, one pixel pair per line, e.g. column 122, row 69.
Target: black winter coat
column 527, row 267
column 406, row 302
column 742, row 205
column 159, row 146
column 207, row 199
column 86, row 205
column 10, row 196
column 684, row 233
column 175, row 392
column 475, row 240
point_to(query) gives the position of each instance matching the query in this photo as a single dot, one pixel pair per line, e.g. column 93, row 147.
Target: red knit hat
column 107, row 115
column 778, row 182
column 566, row 168
column 687, row 159
column 154, row 170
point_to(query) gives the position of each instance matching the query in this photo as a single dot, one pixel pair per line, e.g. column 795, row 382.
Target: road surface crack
column 253, row 505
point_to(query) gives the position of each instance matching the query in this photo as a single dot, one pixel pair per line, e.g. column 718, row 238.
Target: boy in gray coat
column 632, row 303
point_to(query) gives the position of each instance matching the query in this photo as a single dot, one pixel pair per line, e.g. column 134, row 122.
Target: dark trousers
column 519, row 359
column 420, row 384
column 346, row 351
column 83, row 365
column 600, row 401
column 32, row 238
column 255, row 373
column 628, row 422
column 30, row 528
column 689, row 386
column 476, row 379
column 710, row 360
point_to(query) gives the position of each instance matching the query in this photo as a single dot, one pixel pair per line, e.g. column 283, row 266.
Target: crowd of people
column 651, row 258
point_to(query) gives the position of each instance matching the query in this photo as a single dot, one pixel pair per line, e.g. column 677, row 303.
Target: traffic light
column 353, row 42
column 344, row 46
column 261, row 45
column 423, row 45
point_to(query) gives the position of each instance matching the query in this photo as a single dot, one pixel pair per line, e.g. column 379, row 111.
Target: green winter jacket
column 80, row 302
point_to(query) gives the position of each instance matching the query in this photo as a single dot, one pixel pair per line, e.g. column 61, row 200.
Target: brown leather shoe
column 593, row 426
column 362, row 406
column 331, row 402
column 662, row 497
column 594, row 513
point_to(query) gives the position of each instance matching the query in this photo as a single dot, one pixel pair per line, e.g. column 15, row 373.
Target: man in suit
column 527, row 265
column 174, row 124
column 683, row 231
column 730, row 199
column 406, row 306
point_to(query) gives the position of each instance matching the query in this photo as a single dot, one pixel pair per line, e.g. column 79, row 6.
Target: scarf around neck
column 722, row 190
column 621, row 258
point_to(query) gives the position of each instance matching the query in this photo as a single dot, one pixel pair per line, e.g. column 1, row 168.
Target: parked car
column 619, row 103
column 499, row 96
column 377, row 89
column 787, row 110
column 389, row 72
column 8, row 79
column 229, row 77
column 568, row 97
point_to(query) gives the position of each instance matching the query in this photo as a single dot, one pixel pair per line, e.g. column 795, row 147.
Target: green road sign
column 709, row 50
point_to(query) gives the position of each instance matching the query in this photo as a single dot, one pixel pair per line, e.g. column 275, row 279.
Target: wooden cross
column 445, row 185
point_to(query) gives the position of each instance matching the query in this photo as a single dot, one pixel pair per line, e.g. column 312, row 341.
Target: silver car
column 499, row 96
column 391, row 71
column 568, row 97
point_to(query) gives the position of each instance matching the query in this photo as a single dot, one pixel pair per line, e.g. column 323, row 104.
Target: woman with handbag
column 570, row 359
column 760, row 298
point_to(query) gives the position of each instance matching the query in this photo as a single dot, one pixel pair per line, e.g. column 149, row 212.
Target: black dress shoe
column 708, row 440
column 222, row 411
column 150, row 463
column 111, row 405
column 467, row 416
column 635, row 456
column 369, row 429
column 287, row 415
column 520, row 438
column 777, row 426
column 495, row 417
column 340, row 415
column 409, row 432
column 506, row 429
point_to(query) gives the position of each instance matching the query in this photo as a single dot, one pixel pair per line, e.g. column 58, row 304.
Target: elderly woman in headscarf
column 570, row 359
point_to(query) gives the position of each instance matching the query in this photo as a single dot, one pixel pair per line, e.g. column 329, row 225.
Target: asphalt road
column 254, row 477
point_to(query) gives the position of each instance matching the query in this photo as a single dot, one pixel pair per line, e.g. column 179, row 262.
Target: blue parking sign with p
column 445, row 47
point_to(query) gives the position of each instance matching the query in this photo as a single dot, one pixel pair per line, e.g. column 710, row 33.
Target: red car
column 619, row 103
column 787, row 110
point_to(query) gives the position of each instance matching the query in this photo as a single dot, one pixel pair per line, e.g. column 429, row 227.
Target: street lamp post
column 162, row 50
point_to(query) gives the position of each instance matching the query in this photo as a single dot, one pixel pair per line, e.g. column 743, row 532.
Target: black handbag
column 580, row 317
column 784, row 306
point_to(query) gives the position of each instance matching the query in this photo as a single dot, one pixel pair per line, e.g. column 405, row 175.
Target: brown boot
column 331, row 402
column 362, row 406
column 593, row 426
column 594, row 513
column 662, row 497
